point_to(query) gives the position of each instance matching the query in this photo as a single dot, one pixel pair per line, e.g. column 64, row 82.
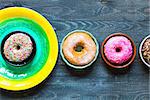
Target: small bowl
column 75, row 66
column 118, row 66
column 140, row 51
column 26, row 61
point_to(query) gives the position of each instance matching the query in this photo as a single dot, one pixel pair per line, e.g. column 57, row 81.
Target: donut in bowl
column 18, row 48
column 144, row 51
column 79, row 49
column 118, row 50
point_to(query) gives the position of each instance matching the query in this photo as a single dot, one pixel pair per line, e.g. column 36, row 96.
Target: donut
column 118, row 49
column 17, row 47
column 79, row 48
column 146, row 50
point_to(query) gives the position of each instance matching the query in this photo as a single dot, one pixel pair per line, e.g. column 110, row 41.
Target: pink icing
column 118, row 49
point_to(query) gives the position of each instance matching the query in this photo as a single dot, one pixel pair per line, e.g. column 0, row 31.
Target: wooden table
column 101, row 19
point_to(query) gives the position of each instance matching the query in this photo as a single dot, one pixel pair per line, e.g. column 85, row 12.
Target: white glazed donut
column 83, row 40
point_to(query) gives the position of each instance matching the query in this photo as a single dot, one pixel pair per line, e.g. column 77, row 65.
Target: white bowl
column 140, row 51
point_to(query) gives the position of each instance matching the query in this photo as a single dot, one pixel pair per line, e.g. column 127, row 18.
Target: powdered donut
column 18, row 47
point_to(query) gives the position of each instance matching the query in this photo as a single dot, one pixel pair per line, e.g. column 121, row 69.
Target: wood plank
column 101, row 29
column 118, row 10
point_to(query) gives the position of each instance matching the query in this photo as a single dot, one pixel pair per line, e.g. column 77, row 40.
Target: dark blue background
column 101, row 19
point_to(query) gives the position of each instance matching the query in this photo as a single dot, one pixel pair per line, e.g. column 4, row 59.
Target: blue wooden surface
column 101, row 19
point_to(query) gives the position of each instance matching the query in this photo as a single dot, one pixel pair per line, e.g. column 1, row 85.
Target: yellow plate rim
column 16, row 85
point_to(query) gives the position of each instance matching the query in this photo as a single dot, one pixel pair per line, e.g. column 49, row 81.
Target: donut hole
column 79, row 48
column 18, row 47
column 118, row 49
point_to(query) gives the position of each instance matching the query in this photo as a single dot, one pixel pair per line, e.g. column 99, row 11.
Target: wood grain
column 101, row 19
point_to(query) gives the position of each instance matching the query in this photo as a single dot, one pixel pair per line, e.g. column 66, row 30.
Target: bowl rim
column 104, row 57
column 75, row 66
column 140, row 51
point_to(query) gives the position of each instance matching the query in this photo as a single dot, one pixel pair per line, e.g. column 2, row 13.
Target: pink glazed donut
column 118, row 49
